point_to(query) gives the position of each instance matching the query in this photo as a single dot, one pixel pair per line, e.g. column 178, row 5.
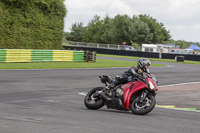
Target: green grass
column 100, row 63
column 152, row 59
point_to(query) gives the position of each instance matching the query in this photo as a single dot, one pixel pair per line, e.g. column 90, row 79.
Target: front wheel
column 92, row 101
column 144, row 107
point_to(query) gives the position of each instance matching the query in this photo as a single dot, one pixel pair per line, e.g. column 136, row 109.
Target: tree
column 141, row 33
column 77, row 32
column 160, row 34
column 139, row 29
column 106, row 33
column 122, row 29
column 94, row 30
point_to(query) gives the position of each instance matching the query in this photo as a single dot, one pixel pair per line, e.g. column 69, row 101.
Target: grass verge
column 100, row 63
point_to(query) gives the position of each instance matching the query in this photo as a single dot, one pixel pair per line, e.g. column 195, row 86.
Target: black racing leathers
column 128, row 76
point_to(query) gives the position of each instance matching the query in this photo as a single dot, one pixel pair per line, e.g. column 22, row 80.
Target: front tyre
column 144, row 107
column 92, row 101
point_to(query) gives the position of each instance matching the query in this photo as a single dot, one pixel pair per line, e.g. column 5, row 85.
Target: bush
column 31, row 24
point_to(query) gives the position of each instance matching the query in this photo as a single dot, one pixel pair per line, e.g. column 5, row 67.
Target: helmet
column 144, row 62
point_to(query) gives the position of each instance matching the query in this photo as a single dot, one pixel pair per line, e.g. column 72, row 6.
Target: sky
column 180, row 17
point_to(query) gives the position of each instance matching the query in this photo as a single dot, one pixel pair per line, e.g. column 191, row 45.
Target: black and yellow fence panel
column 24, row 55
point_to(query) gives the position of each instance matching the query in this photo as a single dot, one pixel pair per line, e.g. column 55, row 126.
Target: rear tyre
column 92, row 102
column 142, row 108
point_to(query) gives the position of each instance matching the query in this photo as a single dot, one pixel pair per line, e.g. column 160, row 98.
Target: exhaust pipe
column 104, row 96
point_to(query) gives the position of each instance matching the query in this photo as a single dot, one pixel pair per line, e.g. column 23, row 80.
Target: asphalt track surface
column 47, row 101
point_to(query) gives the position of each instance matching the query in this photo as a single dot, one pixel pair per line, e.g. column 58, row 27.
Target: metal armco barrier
column 135, row 53
column 115, row 52
column 24, row 55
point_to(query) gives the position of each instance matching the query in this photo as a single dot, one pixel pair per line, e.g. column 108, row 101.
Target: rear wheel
column 92, row 100
column 144, row 107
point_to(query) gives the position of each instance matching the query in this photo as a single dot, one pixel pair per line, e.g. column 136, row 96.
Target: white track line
column 178, row 84
column 83, row 93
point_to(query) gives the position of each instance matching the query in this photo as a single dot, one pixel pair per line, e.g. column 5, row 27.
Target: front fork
column 144, row 95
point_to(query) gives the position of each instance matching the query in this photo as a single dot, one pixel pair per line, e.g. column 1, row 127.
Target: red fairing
column 154, row 84
column 128, row 92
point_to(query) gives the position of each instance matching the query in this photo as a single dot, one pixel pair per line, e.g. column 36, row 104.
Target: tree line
column 122, row 28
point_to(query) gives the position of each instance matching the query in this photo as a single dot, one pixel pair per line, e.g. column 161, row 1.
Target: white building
column 149, row 48
column 164, row 48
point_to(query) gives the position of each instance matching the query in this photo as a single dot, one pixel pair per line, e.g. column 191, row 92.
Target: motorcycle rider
column 132, row 74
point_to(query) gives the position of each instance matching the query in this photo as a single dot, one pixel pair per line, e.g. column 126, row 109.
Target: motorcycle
column 137, row 96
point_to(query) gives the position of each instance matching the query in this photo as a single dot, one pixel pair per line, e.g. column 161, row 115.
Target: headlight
column 151, row 86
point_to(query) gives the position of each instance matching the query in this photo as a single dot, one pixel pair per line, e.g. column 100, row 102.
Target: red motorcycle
column 137, row 96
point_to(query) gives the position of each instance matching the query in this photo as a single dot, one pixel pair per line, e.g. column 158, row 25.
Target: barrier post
column 94, row 56
column 86, row 56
